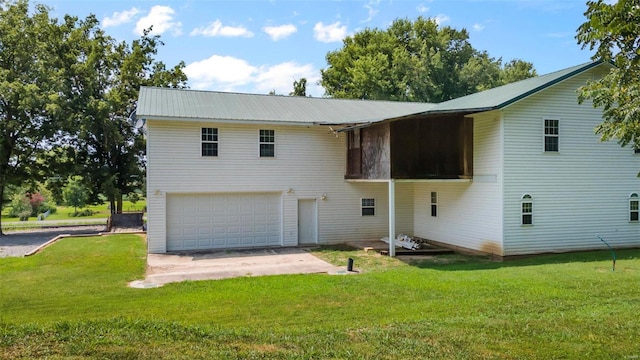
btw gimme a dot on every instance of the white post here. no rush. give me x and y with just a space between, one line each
392 217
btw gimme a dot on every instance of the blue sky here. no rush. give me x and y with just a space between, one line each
258 46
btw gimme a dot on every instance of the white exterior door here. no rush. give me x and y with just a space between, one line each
307 221
221 221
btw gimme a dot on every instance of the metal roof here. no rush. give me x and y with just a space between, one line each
190 105
502 96
195 105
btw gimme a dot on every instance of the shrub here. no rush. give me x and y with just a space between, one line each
24 216
48 207
81 213
19 204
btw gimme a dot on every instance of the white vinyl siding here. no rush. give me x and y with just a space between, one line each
310 161
578 195
469 213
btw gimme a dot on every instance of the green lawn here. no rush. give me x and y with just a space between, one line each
64 212
71 301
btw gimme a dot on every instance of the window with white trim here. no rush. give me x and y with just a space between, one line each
209 142
267 143
434 204
526 210
368 207
551 135
634 207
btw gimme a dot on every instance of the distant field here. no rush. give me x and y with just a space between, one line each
71 301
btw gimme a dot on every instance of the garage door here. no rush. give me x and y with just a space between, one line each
216 221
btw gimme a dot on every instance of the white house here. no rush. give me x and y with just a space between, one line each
509 171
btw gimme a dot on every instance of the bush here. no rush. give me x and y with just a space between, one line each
81 213
48 207
24 216
19 205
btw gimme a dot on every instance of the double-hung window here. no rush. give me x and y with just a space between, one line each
634 207
526 210
551 135
209 142
267 143
434 204
368 207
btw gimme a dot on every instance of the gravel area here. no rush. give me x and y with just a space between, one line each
19 243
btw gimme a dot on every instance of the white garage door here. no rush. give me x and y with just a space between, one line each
216 221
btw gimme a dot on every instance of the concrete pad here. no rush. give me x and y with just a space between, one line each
167 268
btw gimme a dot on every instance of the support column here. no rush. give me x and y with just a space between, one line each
392 217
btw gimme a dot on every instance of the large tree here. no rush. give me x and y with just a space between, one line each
613 30
32 63
110 150
415 61
66 94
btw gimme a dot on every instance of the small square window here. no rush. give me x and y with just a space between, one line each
551 135
368 207
267 143
209 142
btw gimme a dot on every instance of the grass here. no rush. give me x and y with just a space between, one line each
71 301
63 213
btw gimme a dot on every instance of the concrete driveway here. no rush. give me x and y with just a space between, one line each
168 268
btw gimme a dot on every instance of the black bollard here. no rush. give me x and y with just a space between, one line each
350 264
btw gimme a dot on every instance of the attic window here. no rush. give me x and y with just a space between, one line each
551 135
209 142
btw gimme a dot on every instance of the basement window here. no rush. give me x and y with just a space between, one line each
209 142
434 204
551 135
526 207
634 207
368 207
267 143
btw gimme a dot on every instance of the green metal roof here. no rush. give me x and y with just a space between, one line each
193 105
502 96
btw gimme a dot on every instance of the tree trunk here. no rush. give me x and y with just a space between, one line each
119 202
112 205
1 206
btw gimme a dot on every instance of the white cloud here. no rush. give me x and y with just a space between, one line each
478 27
372 9
280 77
161 18
329 33
440 19
119 18
421 8
217 29
219 70
226 73
280 32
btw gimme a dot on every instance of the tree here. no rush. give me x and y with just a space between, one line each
110 149
613 29
414 61
75 193
32 64
299 87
